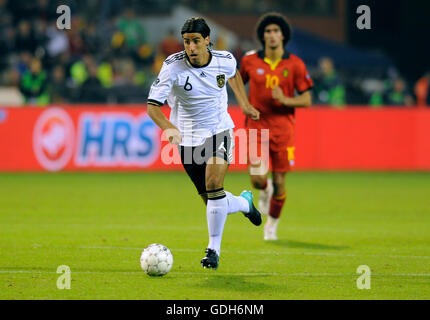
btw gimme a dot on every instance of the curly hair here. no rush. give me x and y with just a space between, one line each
273 18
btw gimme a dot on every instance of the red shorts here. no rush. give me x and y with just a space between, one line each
275 149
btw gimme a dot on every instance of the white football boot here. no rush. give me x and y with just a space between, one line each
265 196
270 229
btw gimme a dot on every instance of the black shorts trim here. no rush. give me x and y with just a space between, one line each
157 103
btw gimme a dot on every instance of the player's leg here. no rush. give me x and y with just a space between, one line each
244 202
258 168
277 202
265 185
219 202
216 209
191 158
236 203
258 181
278 184
281 163
196 171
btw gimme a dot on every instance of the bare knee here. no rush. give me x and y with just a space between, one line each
259 182
213 183
279 183
215 173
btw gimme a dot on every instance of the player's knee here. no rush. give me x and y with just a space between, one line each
258 182
278 188
213 183
278 179
278 184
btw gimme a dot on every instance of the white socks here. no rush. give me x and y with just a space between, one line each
272 222
216 212
236 204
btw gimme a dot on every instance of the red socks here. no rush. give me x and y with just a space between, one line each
276 204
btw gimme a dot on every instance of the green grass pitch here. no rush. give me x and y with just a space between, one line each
98 224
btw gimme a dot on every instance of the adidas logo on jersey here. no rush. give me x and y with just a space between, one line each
203 75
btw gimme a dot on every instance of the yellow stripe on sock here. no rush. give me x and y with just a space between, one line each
280 197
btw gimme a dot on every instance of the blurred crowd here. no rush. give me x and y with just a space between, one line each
309 7
103 60
337 88
106 58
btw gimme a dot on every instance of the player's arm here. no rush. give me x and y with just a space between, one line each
238 88
302 84
159 92
301 101
160 120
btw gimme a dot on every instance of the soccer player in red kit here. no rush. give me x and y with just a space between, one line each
279 83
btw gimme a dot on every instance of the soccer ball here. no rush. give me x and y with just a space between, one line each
156 260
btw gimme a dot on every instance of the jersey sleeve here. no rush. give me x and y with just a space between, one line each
302 78
232 67
244 70
160 89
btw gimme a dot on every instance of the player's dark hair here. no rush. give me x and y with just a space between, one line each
196 25
273 18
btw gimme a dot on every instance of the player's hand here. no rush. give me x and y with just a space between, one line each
278 94
173 135
253 113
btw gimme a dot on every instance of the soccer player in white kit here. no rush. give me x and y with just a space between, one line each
193 82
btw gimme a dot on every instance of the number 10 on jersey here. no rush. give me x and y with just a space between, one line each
271 81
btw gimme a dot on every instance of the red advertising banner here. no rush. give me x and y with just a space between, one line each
363 139
124 138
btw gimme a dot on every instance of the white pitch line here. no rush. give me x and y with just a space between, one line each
247 252
190 227
106 247
107 226
302 274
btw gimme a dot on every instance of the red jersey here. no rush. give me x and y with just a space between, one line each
289 73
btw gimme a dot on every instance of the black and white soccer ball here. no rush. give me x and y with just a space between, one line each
156 260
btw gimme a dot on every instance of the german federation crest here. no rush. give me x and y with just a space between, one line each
220 80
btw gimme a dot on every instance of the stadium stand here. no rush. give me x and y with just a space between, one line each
106 56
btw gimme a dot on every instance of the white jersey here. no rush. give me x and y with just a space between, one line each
196 95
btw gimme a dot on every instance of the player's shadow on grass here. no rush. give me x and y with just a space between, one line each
243 283
307 245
